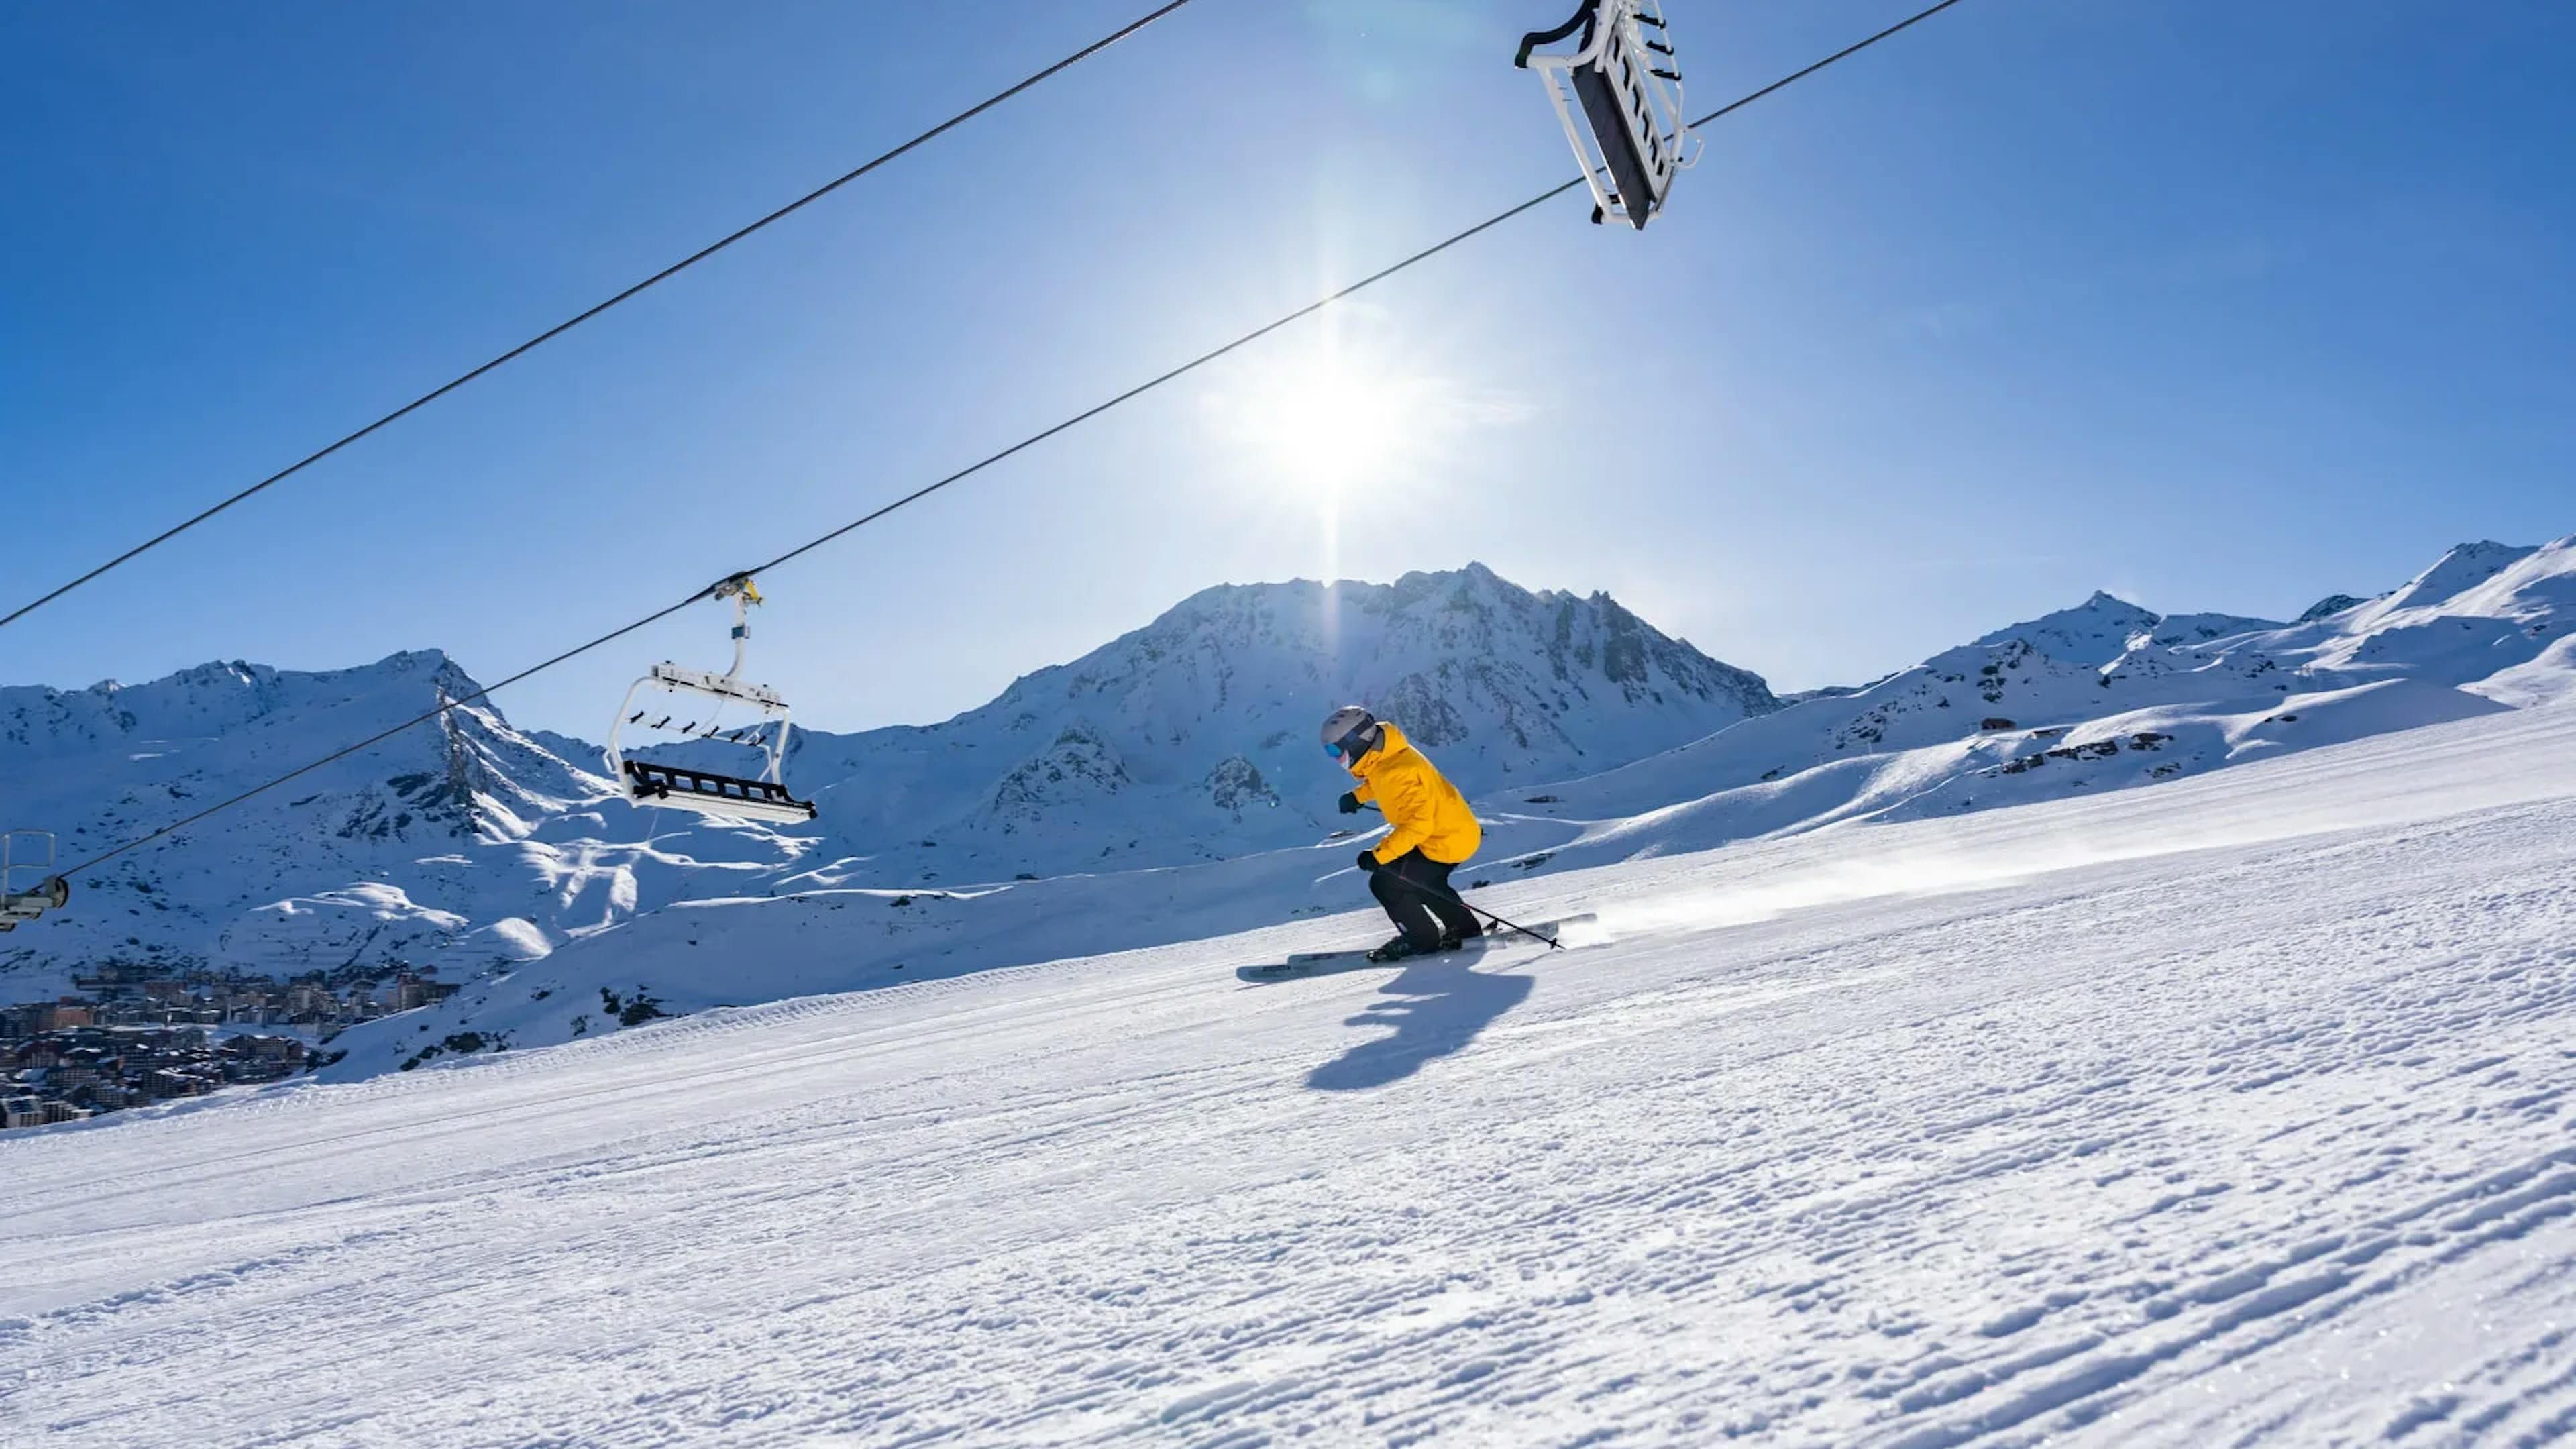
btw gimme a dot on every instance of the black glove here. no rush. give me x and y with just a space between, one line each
1350 802
1368 861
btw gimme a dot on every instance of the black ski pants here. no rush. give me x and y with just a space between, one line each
1417 895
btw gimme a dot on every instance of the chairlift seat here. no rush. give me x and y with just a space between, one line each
21 899
682 788
1632 139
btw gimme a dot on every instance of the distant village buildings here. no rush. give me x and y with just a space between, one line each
135 1036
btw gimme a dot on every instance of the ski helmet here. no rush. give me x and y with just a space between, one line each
1349 732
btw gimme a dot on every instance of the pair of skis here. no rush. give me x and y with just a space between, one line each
1325 963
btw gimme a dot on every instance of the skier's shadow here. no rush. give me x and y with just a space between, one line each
1436 1006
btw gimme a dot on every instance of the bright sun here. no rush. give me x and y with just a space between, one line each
1327 424
1339 417
1329 416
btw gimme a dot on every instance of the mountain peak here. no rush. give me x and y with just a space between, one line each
2093 633
218 698
1214 704
2463 568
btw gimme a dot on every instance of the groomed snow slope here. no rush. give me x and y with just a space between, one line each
2229 1111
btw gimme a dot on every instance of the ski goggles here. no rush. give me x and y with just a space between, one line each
1350 746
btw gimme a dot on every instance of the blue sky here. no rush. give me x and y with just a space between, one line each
2217 306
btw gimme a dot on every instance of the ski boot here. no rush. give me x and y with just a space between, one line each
1457 940
1396 950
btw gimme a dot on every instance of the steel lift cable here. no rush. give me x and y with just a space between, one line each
560 328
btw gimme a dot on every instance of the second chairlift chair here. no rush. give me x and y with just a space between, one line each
761 796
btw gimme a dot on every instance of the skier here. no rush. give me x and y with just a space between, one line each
1430 833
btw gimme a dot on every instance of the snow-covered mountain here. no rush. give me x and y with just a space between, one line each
1193 738
1165 787
2103 696
462 844
471 844
2092 699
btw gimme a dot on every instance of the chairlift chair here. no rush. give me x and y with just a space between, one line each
28 885
762 796
1631 139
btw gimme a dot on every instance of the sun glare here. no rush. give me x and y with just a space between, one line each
1341 420
1326 424
1322 421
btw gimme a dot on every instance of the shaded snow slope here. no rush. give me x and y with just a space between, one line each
2231 1111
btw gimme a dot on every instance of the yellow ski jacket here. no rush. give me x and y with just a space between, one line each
1422 808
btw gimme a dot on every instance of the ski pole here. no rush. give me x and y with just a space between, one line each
1426 892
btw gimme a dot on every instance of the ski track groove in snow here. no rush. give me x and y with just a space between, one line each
2248 1143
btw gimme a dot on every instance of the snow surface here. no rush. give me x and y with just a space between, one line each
2229 1111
